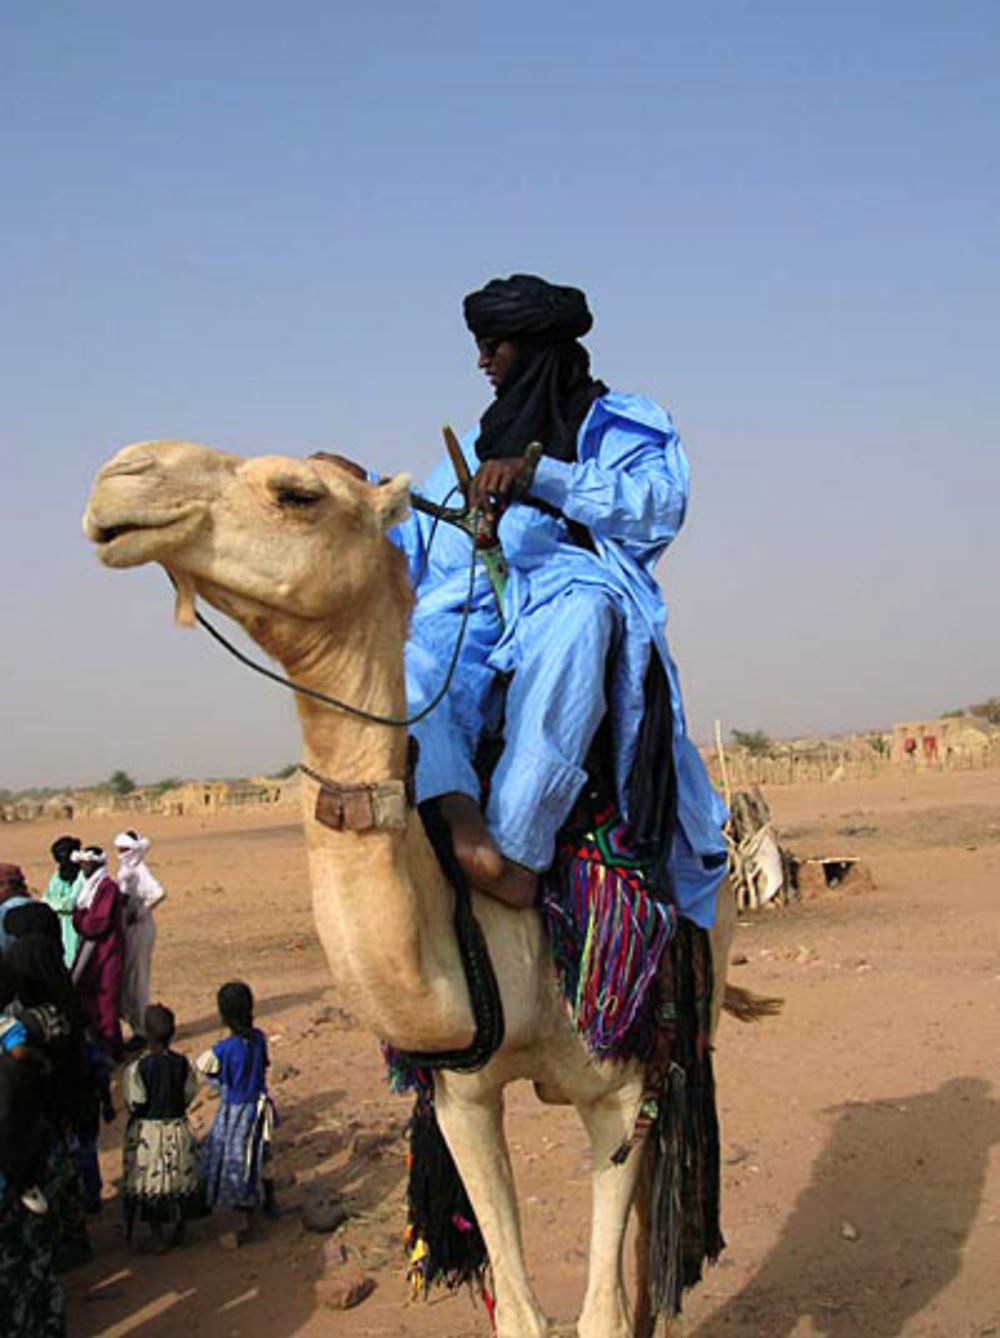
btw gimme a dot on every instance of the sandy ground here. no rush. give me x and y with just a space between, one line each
861 1171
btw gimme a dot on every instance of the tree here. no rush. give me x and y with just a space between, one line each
120 782
754 741
987 710
286 771
955 714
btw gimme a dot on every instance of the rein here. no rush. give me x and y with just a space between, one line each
395 722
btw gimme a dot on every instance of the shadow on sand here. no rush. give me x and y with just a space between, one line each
907 1172
265 1007
262 1290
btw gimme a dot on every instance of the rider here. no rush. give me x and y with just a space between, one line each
578 631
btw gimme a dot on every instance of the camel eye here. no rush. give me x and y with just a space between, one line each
297 497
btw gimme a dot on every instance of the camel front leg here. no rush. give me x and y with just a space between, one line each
471 1120
608 1121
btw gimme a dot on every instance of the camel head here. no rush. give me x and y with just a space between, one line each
258 537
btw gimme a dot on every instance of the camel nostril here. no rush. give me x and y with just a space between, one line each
136 464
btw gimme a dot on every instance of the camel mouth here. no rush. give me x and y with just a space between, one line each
128 542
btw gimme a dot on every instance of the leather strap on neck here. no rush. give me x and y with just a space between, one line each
365 807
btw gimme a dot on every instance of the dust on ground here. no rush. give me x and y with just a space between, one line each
861 1176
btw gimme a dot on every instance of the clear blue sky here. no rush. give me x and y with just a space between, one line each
252 225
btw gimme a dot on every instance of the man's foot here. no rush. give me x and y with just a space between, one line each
516 886
477 856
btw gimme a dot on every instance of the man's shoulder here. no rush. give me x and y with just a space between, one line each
622 404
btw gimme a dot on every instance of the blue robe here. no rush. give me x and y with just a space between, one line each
565 608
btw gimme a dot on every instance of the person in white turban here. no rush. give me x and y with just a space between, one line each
142 892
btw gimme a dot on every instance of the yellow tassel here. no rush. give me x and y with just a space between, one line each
415 1272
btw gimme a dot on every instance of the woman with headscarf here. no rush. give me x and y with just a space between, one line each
579 628
100 958
62 889
13 892
141 892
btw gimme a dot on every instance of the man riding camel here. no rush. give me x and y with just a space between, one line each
577 635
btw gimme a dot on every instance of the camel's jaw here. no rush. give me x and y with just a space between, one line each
126 539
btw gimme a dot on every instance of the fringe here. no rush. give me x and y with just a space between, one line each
685 1198
444 1240
608 935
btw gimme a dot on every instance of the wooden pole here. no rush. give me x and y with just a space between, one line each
723 769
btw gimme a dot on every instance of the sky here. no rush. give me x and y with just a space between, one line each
252 224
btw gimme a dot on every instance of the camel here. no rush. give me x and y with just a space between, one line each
296 553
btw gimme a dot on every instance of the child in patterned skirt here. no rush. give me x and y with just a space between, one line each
237 1151
162 1169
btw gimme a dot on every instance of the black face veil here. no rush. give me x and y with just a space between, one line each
548 390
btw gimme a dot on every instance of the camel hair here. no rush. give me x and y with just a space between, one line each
295 551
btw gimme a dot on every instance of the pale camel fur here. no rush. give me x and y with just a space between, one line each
295 551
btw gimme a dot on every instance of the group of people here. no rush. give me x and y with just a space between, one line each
104 926
70 967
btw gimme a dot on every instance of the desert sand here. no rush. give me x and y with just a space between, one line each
861 1177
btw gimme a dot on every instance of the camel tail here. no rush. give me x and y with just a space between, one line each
746 1006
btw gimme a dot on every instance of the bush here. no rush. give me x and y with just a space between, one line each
754 741
987 710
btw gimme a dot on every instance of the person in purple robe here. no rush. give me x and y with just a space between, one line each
99 968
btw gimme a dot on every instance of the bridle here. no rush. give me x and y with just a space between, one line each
483 544
469 522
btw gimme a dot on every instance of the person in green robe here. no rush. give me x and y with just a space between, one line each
62 891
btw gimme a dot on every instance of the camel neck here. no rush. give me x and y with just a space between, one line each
363 666
383 908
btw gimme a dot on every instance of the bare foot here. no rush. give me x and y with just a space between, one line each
477 856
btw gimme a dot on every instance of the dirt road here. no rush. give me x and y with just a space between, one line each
860 1129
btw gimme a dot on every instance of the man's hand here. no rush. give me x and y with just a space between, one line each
493 484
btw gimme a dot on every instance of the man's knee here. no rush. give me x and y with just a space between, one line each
583 617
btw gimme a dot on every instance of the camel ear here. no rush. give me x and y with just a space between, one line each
392 501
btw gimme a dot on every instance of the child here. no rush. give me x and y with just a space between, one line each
162 1173
237 1151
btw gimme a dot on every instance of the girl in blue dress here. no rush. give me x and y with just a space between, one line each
237 1151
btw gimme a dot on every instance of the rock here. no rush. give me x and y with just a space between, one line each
849 1231
322 1212
348 1287
229 1241
739 959
332 1015
334 1253
282 1073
